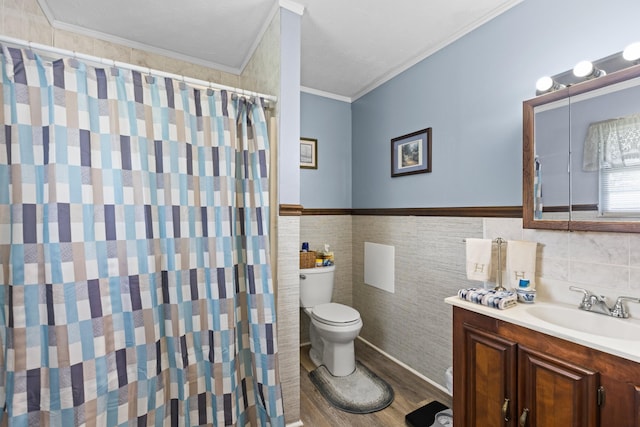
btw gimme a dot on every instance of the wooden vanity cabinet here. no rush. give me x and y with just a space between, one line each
502 371
489 368
554 392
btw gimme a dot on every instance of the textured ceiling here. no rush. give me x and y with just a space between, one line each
348 47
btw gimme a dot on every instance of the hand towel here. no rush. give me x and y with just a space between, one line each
521 262
479 259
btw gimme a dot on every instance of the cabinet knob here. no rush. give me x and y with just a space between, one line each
505 410
523 417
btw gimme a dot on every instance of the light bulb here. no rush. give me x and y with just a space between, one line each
547 84
587 70
632 52
544 84
583 69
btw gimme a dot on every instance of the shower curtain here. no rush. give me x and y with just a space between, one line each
134 258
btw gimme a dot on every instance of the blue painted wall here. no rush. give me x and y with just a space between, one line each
289 104
471 94
328 121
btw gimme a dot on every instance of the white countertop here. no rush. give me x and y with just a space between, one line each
627 347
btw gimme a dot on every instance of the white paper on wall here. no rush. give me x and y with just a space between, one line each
379 266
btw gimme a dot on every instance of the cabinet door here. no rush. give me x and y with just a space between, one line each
489 373
636 399
555 393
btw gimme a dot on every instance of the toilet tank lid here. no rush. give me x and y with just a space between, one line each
317 270
335 312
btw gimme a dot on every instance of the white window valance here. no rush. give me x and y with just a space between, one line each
612 143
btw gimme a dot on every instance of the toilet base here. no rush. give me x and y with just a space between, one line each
315 357
339 358
338 354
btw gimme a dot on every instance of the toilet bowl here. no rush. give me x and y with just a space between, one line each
333 327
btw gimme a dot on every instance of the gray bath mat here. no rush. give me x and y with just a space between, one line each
361 392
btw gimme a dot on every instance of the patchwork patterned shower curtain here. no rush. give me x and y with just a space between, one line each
134 256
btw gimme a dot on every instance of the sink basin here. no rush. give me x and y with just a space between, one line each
584 321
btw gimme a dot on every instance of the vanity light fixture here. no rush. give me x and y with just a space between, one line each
585 69
632 52
547 84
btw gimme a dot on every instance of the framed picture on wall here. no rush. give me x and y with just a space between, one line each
308 153
411 153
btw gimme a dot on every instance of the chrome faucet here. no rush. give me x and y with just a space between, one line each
620 310
598 303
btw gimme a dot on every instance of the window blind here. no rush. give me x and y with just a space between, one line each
620 191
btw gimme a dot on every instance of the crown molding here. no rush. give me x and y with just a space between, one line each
47 11
142 46
324 94
292 6
256 42
464 31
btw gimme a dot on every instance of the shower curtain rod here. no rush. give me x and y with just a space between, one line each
143 70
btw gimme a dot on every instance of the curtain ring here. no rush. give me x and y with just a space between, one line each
73 61
149 77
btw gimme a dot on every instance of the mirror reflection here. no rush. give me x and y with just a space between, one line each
551 161
605 137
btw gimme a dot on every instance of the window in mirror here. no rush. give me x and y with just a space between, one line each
620 191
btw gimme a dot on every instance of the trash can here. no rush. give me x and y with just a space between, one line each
449 377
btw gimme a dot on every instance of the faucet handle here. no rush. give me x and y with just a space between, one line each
587 293
577 289
585 304
619 310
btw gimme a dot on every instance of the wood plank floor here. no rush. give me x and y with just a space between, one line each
411 392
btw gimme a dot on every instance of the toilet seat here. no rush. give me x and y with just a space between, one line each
335 314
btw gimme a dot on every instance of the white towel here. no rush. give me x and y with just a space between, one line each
479 259
521 262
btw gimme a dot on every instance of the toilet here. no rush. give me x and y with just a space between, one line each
333 326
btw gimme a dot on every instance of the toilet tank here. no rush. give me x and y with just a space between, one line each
316 285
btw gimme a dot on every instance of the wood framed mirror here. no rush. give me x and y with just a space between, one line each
581 156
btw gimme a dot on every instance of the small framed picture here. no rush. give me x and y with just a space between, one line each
411 153
308 153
